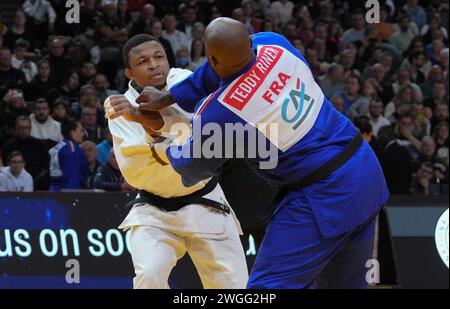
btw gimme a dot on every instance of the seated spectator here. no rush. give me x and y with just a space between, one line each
41 83
182 58
424 181
90 152
88 72
404 78
32 149
68 89
361 105
20 61
59 110
395 161
338 103
104 147
284 8
188 19
249 16
440 114
356 33
15 178
101 84
155 30
68 165
406 96
41 19
427 153
238 14
92 131
422 125
351 92
197 55
377 120
439 95
177 38
43 126
13 106
10 77
403 37
441 138
17 31
144 20
60 64
331 83
435 75
111 33
109 177
364 126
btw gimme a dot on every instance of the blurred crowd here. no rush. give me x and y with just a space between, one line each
390 78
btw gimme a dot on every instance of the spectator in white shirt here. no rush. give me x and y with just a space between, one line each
284 8
43 126
19 59
376 116
177 38
15 178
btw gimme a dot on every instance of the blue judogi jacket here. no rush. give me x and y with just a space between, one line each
277 87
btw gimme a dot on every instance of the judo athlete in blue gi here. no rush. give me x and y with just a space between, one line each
321 232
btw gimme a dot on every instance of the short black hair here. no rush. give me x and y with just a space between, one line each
13 155
67 126
136 40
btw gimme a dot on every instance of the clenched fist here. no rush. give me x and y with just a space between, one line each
118 105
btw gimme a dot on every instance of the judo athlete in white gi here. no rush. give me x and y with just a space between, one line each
159 237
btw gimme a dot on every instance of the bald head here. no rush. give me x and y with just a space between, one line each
228 46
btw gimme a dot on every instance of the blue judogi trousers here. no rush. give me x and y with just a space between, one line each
294 254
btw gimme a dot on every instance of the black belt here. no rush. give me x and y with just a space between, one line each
325 170
320 174
176 203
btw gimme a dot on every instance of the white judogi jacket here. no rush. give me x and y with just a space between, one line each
141 170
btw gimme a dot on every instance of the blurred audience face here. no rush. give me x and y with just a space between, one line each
148 12
44 70
428 146
406 123
5 59
442 132
59 112
375 108
122 6
89 117
441 112
73 81
358 21
404 76
156 29
198 30
16 164
170 23
352 86
182 58
20 52
41 110
247 8
110 10
101 82
14 98
238 14
77 134
23 129
20 19
439 90
190 15
338 103
57 48
404 23
148 65
88 70
368 88
90 151
378 71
